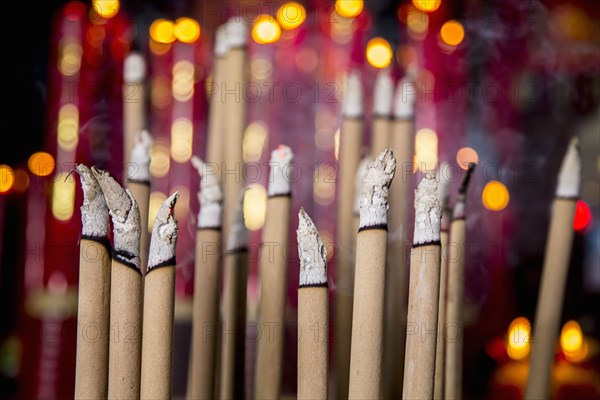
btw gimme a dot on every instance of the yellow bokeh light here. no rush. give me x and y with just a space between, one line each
69 62
187 30
417 24
266 30
255 206
156 200
21 180
426 150
427 5
466 155
106 8
63 196
162 31
573 343
495 196
379 52
518 338
41 164
182 132
7 178
159 49
67 129
255 138
183 80
324 184
452 33
291 15
349 8
160 160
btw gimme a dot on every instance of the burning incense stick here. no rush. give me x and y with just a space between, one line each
554 275
361 171
440 357
367 322
455 296
349 157
91 370
138 183
216 117
402 144
206 286
382 110
134 73
313 311
423 293
159 306
234 309
125 348
273 278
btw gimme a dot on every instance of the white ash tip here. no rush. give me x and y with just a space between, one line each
383 97
280 180
140 157
353 96
361 171
238 235
405 96
569 177
134 69
164 234
237 32
221 41
210 196
94 212
312 251
428 212
375 189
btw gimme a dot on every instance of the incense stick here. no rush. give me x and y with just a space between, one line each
134 74
216 117
138 183
349 157
273 278
313 312
91 368
554 274
367 322
382 110
361 171
206 285
159 306
423 293
125 349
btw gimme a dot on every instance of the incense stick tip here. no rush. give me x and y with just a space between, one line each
361 171
383 94
238 235
134 69
428 212
280 181
353 96
237 32
569 177
94 212
405 96
164 235
210 196
375 189
140 157
221 42
312 251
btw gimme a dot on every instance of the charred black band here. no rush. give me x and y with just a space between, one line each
272 196
435 242
126 258
103 240
380 226
307 285
171 262
140 181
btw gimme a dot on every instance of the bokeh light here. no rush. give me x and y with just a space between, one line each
183 80
255 138
106 8
466 155
41 164
156 200
324 184
572 342
291 15
379 52
182 132
63 196
160 160
21 180
427 5
518 338
452 33
69 62
426 149
266 30
583 216
162 31
349 8
187 30
495 196
67 129
255 206
417 24
7 178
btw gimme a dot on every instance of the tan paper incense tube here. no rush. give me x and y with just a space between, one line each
554 275
233 94
273 278
313 312
125 348
233 349
159 306
423 294
454 326
206 286
216 112
351 138
382 111
360 176
91 369
402 144
138 183
371 245
134 73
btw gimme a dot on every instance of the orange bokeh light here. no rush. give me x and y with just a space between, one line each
466 155
452 33
41 164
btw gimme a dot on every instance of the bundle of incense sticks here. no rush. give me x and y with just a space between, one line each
313 311
159 306
382 110
349 157
423 293
367 322
273 277
138 183
455 294
554 275
91 371
206 286
134 73
124 362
